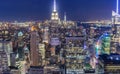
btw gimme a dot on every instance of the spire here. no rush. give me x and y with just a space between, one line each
54 5
65 19
117 7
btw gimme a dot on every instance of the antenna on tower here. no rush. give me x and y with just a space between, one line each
117 7
54 5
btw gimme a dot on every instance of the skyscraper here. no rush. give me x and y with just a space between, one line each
115 14
3 61
55 16
106 44
34 48
65 19
6 46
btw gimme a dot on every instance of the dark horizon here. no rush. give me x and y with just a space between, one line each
33 10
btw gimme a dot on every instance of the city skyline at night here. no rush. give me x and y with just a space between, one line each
82 10
59 37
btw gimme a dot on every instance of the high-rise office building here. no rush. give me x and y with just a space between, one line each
3 61
6 46
34 51
115 14
46 35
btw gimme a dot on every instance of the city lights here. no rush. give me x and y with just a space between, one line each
72 43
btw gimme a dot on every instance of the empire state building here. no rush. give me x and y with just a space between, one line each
55 16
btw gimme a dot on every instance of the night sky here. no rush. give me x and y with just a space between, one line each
83 10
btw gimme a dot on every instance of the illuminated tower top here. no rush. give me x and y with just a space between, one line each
54 6
117 7
55 16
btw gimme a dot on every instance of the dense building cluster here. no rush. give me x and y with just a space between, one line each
59 47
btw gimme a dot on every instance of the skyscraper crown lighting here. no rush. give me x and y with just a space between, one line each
54 15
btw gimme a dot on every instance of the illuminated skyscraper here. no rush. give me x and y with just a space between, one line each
45 36
106 44
3 61
55 16
7 47
103 45
115 14
34 48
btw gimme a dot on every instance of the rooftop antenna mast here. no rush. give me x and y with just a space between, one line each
54 5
